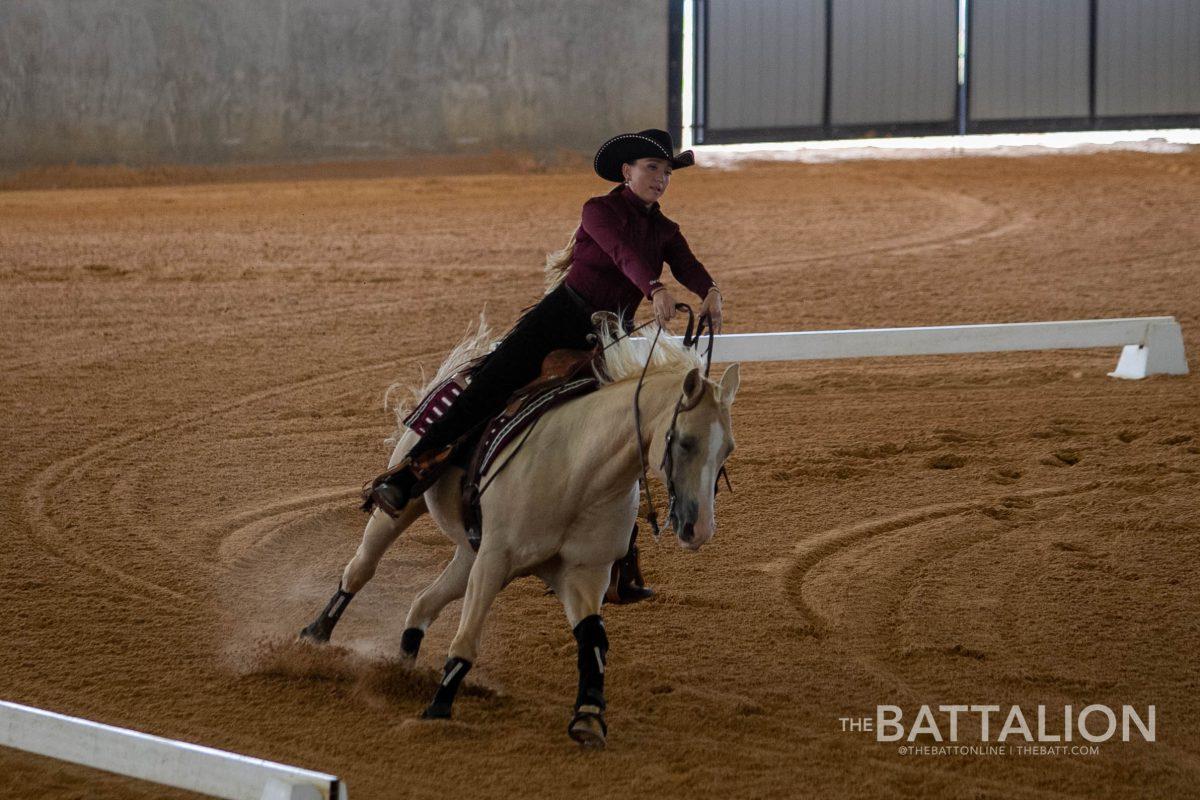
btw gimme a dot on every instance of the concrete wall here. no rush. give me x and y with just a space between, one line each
208 81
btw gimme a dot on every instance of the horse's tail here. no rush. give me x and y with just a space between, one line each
557 264
402 397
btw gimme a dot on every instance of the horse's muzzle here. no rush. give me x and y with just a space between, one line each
687 536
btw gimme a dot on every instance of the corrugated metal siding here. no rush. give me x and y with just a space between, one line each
894 62
1029 59
766 63
1148 57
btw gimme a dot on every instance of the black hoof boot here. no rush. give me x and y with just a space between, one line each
410 642
437 711
320 629
456 669
587 726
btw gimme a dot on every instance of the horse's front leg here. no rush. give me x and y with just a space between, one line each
582 590
449 586
488 576
380 532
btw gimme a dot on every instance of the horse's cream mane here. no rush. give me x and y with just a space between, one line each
624 360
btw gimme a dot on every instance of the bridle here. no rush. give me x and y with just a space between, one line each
691 338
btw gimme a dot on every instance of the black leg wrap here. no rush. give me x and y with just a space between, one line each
410 641
593 653
456 669
320 629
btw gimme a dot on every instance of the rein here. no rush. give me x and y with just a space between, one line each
651 511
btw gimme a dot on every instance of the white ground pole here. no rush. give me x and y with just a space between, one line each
1151 345
152 758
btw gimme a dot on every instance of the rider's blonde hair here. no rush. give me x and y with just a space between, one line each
557 264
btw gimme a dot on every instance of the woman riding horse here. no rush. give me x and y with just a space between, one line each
616 259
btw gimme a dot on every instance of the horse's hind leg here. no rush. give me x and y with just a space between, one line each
449 586
379 534
488 576
582 590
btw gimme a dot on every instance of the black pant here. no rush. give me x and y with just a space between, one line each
561 319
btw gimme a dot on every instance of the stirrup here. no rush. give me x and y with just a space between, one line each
370 498
420 472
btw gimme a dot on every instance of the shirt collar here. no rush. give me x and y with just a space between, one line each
636 201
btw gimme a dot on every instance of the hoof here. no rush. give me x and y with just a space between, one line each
437 711
587 727
627 595
410 644
316 632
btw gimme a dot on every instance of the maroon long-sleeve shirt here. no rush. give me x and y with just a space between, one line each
619 252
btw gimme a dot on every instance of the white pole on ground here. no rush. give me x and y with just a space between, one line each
1151 345
203 770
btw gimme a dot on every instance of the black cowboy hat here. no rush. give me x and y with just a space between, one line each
651 143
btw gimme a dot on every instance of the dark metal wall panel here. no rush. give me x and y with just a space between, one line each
1029 59
766 64
894 62
1147 57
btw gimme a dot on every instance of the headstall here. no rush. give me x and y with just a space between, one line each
691 338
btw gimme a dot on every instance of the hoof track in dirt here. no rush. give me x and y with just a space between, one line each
63 478
372 681
820 547
967 219
253 530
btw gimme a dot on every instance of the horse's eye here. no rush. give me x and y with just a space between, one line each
687 445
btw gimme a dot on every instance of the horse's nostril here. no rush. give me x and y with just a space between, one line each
688 532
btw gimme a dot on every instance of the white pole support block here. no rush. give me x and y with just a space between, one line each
276 789
1161 353
203 770
1153 345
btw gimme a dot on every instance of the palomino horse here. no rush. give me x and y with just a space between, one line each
562 509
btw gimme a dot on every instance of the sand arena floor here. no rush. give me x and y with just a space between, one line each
192 394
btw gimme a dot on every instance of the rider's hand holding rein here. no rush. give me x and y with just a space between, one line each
664 305
711 308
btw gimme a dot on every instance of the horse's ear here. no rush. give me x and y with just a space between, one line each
693 388
729 383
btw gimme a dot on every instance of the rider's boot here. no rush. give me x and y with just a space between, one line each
626 584
392 490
